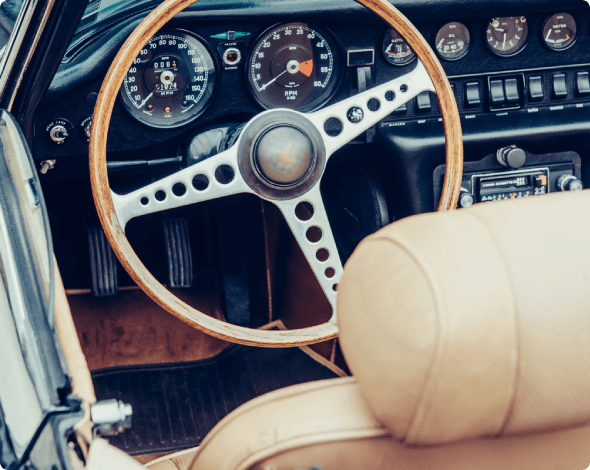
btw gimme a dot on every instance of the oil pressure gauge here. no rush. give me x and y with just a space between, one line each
560 31
453 41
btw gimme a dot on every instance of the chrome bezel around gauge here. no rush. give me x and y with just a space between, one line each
387 41
522 43
277 88
545 37
438 41
159 93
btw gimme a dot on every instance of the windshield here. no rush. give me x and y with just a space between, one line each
98 10
8 12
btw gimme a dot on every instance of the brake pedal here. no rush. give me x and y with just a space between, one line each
103 264
178 253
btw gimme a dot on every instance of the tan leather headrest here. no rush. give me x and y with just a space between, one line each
473 323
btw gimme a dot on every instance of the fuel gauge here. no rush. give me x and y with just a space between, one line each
453 41
560 31
396 50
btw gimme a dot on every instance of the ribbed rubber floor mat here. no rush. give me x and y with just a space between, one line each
176 405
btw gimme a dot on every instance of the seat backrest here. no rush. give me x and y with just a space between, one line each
473 323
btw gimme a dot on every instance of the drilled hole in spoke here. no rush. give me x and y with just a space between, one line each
335 287
330 273
304 211
333 127
200 182
373 104
144 201
225 174
179 189
389 95
314 234
160 195
322 255
403 88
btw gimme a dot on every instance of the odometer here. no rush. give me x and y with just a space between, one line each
171 81
294 66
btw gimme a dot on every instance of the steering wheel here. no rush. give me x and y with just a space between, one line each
280 156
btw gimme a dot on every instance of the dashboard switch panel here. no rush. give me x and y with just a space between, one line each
536 92
559 86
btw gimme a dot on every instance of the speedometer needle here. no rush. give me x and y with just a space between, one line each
504 44
146 100
266 85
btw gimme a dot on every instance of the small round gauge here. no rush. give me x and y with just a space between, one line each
560 31
294 66
507 36
453 41
396 50
171 81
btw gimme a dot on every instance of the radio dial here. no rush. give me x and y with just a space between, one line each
569 183
466 199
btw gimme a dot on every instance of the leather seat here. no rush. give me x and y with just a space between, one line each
468 337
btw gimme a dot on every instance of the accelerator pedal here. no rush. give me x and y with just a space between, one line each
178 253
103 264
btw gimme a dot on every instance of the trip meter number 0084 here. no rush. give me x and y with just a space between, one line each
171 81
294 66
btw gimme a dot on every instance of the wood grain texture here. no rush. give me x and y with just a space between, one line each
114 232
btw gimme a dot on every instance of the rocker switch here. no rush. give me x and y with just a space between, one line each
497 96
536 89
512 93
472 95
582 84
559 86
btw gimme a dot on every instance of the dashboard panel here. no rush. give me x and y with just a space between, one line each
514 69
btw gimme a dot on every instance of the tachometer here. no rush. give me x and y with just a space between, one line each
171 81
294 66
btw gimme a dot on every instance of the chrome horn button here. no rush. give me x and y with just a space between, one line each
283 155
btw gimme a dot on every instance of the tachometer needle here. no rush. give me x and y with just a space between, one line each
548 34
146 100
504 44
265 86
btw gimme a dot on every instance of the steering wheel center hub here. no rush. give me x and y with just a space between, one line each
284 155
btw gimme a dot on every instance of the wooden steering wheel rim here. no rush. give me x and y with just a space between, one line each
114 231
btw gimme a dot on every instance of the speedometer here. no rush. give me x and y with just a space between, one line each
171 81
294 66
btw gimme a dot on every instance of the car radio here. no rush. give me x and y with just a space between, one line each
512 173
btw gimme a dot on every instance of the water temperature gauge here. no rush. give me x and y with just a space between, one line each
560 31
453 41
396 50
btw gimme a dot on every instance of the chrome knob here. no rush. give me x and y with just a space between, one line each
569 183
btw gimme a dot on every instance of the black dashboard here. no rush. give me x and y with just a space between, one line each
519 70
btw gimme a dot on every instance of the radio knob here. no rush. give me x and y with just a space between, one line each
569 183
466 199
512 157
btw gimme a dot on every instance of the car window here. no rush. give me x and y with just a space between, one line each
8 12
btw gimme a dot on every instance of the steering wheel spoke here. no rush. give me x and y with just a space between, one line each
308 221
213 178
342 122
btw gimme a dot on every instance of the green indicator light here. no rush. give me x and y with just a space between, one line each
230 35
